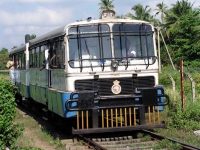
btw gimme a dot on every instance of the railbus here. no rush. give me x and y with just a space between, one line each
101 75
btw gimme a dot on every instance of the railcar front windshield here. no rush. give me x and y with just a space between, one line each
91 45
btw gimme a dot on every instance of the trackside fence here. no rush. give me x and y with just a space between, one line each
191 78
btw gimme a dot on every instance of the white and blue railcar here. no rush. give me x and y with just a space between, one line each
102 73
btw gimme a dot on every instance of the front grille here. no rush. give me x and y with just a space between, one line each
103 86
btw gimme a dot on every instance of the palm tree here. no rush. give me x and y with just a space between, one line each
162 8
141 13
106 5
179 9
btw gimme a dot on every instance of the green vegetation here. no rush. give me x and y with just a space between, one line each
8 130
141 13
143 137
161 144
35 135
12 124
79 143
146 138
181 123
168 144
3 58
53 141
4 76
106 5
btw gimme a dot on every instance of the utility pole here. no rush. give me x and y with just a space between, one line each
167 51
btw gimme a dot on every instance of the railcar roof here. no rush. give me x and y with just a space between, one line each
55 33
18 49
44 37
108 21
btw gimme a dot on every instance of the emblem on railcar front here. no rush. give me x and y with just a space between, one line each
116 88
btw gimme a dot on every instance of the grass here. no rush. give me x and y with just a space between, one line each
4 76
34 135
181 123
184 132
163 144
181 135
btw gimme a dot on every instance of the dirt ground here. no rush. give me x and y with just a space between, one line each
37 141
39 133
33 136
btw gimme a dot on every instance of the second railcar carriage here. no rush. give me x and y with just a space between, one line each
102 73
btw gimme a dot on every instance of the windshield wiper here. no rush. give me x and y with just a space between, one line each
88 54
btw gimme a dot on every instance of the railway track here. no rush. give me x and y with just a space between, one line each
143 139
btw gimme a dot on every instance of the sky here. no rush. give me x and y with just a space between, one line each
21 17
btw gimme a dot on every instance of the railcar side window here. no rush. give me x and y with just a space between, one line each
37 60
60 54
16 60
55 47
57 53
42 58
32 58
20 61
23 56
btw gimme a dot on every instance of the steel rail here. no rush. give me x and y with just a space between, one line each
89 142
185 146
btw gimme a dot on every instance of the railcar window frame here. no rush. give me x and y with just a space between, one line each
37 56
32 63
57 53
99 32
16 61
20 61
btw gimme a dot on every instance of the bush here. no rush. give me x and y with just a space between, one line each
187 119
8 130
3 60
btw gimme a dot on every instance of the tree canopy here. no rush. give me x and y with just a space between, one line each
33 36
161 8
3 58
106 5
3 51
